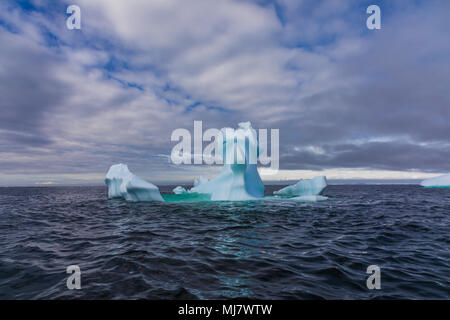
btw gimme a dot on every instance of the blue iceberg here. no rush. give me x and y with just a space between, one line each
124 184
238 180
312 187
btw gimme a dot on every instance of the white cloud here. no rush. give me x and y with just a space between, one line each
308 72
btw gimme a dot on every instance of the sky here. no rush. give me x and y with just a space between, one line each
350 103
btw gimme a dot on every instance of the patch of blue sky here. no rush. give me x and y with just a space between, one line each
125 84
115 64
197 104
277 7
51 40
9 27
50 8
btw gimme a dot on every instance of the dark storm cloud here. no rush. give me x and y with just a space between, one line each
342 96
15 141
396 88
375 155
27 90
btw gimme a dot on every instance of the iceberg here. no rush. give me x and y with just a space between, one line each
238 180
179 190
437 182
312 187
122 183
199 181
200 186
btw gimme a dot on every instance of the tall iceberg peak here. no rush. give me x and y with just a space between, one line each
311 187
441 181
239 178
122 183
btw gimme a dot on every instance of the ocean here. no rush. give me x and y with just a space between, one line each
219 250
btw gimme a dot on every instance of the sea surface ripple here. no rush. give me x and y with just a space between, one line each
218 250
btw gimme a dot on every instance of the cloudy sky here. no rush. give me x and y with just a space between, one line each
349 102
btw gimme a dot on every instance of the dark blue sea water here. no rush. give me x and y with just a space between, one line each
262 249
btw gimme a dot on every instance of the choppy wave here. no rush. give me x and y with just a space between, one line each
262 249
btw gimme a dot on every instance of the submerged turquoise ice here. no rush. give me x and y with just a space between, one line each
239 179
199 197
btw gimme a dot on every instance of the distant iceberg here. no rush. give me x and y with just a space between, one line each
124 184
441 181
310 187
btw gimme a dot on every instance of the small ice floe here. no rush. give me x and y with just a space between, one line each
312 187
